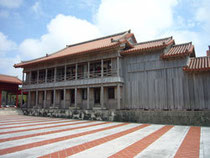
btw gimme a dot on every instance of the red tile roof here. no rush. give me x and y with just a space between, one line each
198 64
150 45
179 51
10 79
84 47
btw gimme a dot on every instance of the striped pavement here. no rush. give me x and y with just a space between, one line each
27 136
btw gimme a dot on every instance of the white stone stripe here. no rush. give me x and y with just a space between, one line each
205 142
50 148
38 126
42 130
167 145
110 148
31 123
51 136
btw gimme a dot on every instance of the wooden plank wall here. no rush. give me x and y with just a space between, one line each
152 83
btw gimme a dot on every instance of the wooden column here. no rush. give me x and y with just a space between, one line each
102 96
64 97
37 97
88 97
118 96
118 66
54 97
45 98
29 99
0 97
37 76
76 66
65 72
30 77
102 68
75 97
16 99
55 73
88 69
22 91
45 75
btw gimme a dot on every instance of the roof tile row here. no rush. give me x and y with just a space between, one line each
179 51
198 64
10 79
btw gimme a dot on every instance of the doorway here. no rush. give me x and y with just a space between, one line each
97 93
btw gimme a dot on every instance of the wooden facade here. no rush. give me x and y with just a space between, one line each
123 74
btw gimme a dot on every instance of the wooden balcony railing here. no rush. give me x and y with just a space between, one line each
80 75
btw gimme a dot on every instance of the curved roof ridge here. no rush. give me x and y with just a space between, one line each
117 34
43 56
157 40
181 44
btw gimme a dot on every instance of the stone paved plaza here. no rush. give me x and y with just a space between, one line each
27 136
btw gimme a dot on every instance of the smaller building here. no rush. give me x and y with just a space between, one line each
9 87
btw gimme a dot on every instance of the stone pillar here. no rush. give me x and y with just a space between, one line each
37 97
118 96
55 73
102 96
76 66
64 97
88 97
46 76
102 68
45 98
118 66
37 76
88 69
75 97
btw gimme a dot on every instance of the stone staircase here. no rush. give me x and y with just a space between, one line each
10 111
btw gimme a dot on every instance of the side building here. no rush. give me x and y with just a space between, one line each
114 77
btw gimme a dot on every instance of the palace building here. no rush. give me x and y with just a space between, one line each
117 73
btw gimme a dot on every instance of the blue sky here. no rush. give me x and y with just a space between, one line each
32 28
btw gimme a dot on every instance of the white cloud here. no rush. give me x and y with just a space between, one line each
145 18
7 66
6 45
11 3
62 30
7 57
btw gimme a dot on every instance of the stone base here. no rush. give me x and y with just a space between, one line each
175 117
